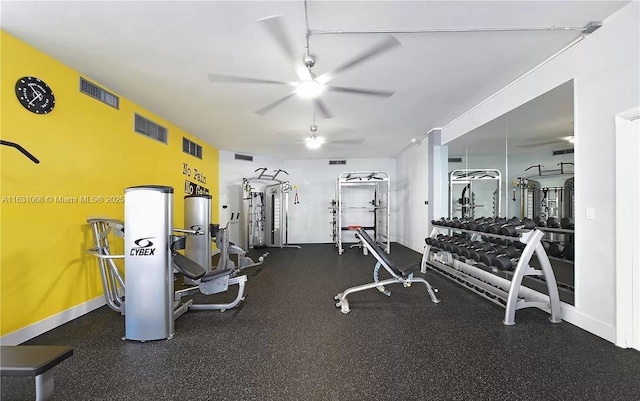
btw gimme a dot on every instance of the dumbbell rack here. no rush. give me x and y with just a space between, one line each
504 292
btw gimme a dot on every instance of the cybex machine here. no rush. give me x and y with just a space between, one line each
264 221
146 294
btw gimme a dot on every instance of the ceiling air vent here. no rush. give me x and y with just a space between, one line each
331 162
98 93
243 157
147 127
455 160
191 148
562 152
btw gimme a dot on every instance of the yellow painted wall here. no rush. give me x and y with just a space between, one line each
86 148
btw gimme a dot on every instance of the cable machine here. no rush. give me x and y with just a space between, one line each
554 199
353 203
265 203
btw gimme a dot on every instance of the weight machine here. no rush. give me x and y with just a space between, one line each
265 204
146 295
467 185
347 208
555 199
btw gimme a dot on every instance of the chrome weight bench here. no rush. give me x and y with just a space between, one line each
400 274
34 360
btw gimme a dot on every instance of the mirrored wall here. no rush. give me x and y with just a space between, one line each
521 165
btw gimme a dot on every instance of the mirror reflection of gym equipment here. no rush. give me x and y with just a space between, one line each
474 193
531 149
265 217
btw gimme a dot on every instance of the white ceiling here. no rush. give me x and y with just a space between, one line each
158 54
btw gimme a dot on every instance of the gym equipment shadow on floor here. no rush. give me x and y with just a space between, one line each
289 342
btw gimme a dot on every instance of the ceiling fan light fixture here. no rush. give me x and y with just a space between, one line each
569 139
309 88
314 142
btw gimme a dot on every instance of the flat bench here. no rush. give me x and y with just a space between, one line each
34 360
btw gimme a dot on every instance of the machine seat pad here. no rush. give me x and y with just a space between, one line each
188 267
215 274
408 269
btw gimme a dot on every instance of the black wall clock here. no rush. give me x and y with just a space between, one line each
35 95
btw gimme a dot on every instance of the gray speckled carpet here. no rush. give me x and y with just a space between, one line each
289 342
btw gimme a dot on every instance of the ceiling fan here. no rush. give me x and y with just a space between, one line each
315 141
309 85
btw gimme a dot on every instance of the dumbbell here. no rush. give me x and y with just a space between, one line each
553 222
555 249
567 223
528 223
539 221
503 262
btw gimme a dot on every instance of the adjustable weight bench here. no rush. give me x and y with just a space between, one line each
400 274
34 360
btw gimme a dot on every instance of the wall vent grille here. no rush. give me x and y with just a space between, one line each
341 162
562 152
191 148
98 93
148 128
455 160
243 157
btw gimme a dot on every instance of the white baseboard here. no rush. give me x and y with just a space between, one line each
33 330
572 315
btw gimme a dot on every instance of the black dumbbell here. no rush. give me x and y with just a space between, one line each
487 258
539 221
567 223
553 222
555 249
528 223
503 262
509 230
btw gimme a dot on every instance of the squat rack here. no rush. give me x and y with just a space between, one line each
466 203
379 206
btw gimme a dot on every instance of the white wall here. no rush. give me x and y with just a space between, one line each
412 192
605 67
309 221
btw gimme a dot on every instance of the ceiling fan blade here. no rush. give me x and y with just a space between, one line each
275 27
387 44
231 78
354 141
275 104
368 92
322 108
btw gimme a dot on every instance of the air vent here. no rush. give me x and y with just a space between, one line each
331 162
149 128
562 152
98 93
244 157
191 148
455 160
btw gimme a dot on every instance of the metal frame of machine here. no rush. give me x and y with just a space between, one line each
380 207
466 177
265 218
